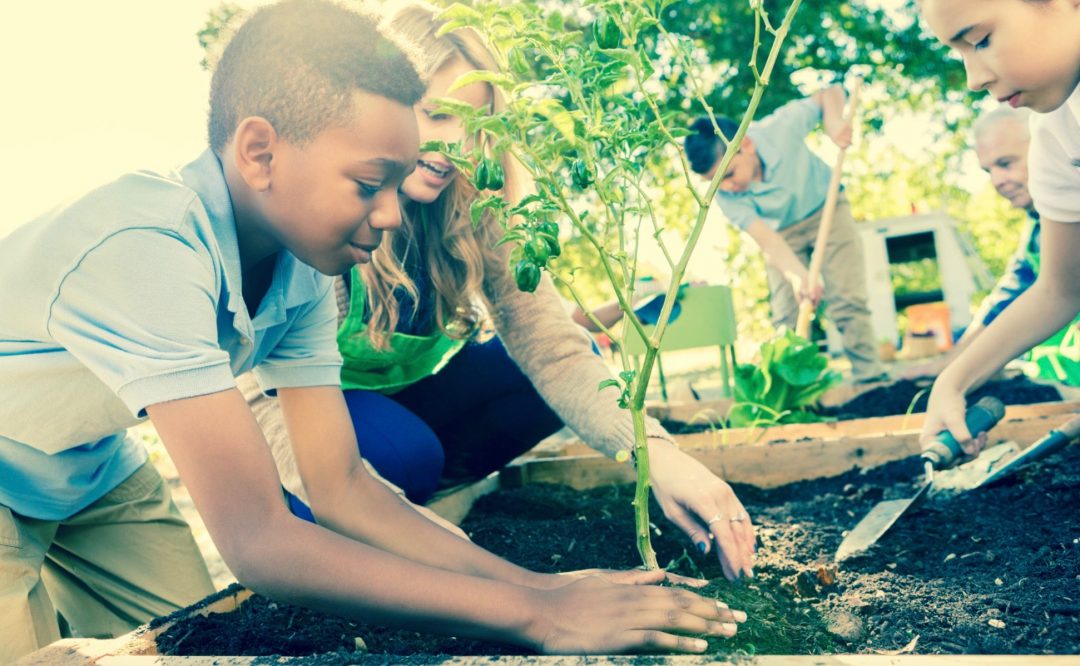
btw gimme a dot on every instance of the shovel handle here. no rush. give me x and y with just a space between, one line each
1070 429
817 258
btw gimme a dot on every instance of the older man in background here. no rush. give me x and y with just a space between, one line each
1001 145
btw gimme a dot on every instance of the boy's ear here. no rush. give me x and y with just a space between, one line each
254 143
747 144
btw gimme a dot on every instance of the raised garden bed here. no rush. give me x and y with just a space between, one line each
849 402
1005 554
769 457
944 575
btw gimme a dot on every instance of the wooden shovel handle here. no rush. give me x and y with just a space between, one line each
806 308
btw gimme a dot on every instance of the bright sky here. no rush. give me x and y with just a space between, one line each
95 89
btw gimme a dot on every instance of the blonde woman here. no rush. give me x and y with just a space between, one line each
433 404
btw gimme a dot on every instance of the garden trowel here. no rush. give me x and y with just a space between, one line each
980 417
1053 442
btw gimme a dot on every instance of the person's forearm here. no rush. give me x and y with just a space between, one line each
1033 317
218 449
403 531
364 583
832 101
1051 303
777 252
608 314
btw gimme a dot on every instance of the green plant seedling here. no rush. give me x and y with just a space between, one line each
587 116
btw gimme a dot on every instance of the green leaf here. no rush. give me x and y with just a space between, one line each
481 76
606 383
559 117
479 206
454 107
460 15
509 238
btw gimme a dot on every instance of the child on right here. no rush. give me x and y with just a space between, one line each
995 40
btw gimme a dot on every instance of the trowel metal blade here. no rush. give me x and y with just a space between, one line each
876 523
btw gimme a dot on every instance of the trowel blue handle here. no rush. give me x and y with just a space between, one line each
980 417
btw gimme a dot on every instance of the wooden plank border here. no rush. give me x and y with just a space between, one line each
793 456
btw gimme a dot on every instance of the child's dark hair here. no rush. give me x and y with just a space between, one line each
703 147
298 63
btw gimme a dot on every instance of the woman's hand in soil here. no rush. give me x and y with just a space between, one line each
593 615
702 506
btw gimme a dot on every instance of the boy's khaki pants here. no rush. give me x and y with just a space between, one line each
109 568
844 276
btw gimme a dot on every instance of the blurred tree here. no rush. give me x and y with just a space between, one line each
220 22
909 75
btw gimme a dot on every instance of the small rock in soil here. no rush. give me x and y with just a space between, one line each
846 627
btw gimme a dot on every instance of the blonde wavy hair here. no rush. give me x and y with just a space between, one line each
454 250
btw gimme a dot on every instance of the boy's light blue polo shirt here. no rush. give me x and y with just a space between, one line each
128 297
795 180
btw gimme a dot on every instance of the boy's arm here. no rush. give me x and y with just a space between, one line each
347 499
223 460
267 411
225 464
1049 305
778 253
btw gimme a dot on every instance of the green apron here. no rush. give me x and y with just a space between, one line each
406 360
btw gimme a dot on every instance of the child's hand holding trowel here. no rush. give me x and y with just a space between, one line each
946 412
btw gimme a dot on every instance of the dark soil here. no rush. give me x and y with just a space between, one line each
992 571
903 396
898 397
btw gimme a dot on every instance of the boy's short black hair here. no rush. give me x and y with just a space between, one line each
703 147
297 64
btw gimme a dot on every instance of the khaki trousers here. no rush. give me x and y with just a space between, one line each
109 568
844 276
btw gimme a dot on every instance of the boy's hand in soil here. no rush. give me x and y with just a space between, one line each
593 615
702 506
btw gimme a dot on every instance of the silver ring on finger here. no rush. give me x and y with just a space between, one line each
742 517
716 519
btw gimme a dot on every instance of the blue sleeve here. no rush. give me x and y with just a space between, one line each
140 312
792 122
1019 276
308 354
739 211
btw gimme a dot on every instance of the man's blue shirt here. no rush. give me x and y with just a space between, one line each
794 181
